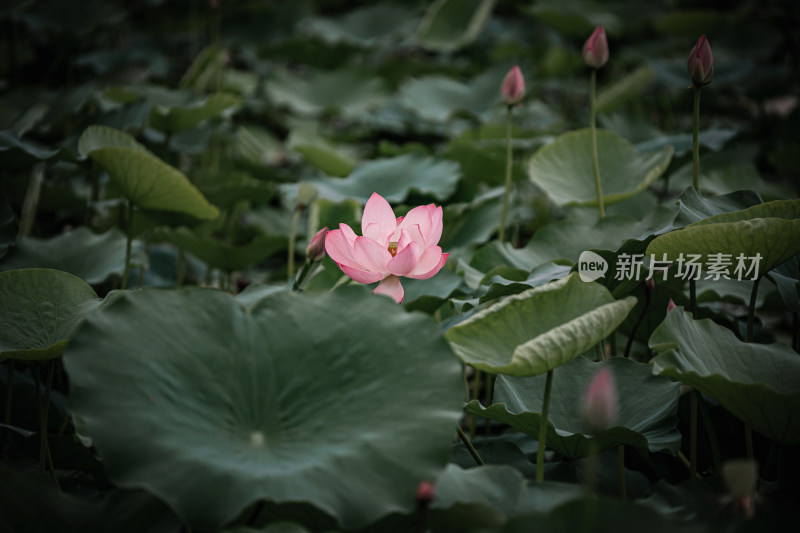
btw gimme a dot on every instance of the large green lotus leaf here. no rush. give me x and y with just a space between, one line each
692 206
178 118
564 169
89 256
39 310
220 254
449 24
566 239
647 417
576 18
622 91
758 383
771 230
392 178
340 400
365 26
321 153
437 97
152 184
537 330
96 137
351 91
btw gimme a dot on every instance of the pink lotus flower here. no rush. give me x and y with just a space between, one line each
701 63
513 88
600 403
390 247
595 50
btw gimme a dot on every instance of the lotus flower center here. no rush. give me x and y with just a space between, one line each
256 439
393 248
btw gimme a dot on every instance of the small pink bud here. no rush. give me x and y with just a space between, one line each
600 404
701 62
425 493
513 88
213 4
595 50
315 251
650 284
671 305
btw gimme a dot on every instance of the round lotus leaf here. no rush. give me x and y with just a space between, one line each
537 330
564 168
340 400
141 177
771 230
759 383
647 417
39 309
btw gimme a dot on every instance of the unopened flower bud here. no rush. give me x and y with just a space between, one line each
600 404
740 476
701 63
671 305
650 284
595 50
306 193
513 88
315 251
425 493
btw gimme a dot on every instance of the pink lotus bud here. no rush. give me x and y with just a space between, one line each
213 4
315 251
701 62
600 404
513 88
671 305
425 493
595 50
650 284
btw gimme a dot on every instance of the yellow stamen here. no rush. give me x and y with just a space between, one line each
393 248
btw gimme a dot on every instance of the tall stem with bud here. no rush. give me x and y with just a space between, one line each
595 54
511 91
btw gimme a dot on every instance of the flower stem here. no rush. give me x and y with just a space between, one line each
693 434
129 238
623 490
590 479
751 312
695 141
543 427
472 451
712 435
292 235
509 163
44 450
596 164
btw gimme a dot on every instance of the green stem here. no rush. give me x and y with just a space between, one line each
509 163
543 427
712 435
636 324
298 282
751 312
693 297
44 449
693 434
696 141
623 489
9 392
292 234
595 162
128 232
472 451
590 479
